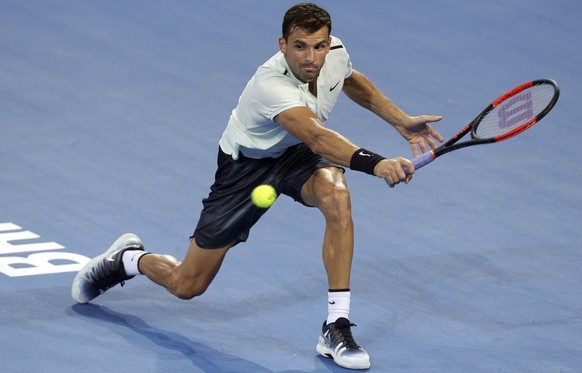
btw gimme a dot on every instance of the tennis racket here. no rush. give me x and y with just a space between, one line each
509 115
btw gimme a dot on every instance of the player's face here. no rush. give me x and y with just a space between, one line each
305 53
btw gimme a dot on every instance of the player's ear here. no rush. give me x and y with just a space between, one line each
282 45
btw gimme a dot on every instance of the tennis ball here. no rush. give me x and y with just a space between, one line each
264 196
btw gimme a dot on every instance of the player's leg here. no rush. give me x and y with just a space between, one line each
327 190
126 258
188 278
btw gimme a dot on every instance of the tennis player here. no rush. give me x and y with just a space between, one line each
277 135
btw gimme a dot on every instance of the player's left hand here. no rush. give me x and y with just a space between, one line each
420 134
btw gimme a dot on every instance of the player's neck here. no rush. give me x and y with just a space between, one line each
313 87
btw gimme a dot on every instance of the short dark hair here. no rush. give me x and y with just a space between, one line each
305 16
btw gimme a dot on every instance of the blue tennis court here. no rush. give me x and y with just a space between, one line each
110 115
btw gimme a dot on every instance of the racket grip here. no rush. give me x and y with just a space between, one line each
422 160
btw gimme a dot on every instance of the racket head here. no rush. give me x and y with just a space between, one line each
515 111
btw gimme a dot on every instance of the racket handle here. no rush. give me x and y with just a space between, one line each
422 160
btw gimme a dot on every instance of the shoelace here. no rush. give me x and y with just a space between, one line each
346 337
105 277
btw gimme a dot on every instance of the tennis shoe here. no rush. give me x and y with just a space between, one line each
105 271
336 342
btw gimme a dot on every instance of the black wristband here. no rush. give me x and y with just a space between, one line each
365 161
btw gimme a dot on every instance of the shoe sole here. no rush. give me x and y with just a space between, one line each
323 350
82 290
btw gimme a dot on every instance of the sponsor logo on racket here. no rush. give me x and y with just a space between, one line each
510 114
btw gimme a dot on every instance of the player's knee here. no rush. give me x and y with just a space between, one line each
189 292
189 288
335 201
338 206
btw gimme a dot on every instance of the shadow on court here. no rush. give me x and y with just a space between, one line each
202 356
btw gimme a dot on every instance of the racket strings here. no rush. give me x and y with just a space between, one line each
516 111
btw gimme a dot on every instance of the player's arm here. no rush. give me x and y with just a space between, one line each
416 130
306 126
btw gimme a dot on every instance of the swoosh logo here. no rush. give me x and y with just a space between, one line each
111 258
364 154
331 302
332 88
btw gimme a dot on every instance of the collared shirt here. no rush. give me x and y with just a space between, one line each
273 89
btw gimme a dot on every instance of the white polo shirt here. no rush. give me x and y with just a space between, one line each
273 89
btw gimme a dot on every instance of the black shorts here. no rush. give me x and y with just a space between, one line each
229 213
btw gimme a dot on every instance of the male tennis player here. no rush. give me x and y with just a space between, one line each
277 135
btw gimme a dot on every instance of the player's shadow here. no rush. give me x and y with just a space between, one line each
203 357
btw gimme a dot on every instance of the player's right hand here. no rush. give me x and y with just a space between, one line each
393 172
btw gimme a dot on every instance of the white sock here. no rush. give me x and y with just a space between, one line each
338 305
130 261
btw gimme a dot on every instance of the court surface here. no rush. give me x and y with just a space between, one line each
110 114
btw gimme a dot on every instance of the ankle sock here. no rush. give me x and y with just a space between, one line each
130 261
338 304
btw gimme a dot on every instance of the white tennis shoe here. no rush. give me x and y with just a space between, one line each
104 271
336 341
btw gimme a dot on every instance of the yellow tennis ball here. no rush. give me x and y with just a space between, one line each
264 196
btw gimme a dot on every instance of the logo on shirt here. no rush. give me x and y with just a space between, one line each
332 88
